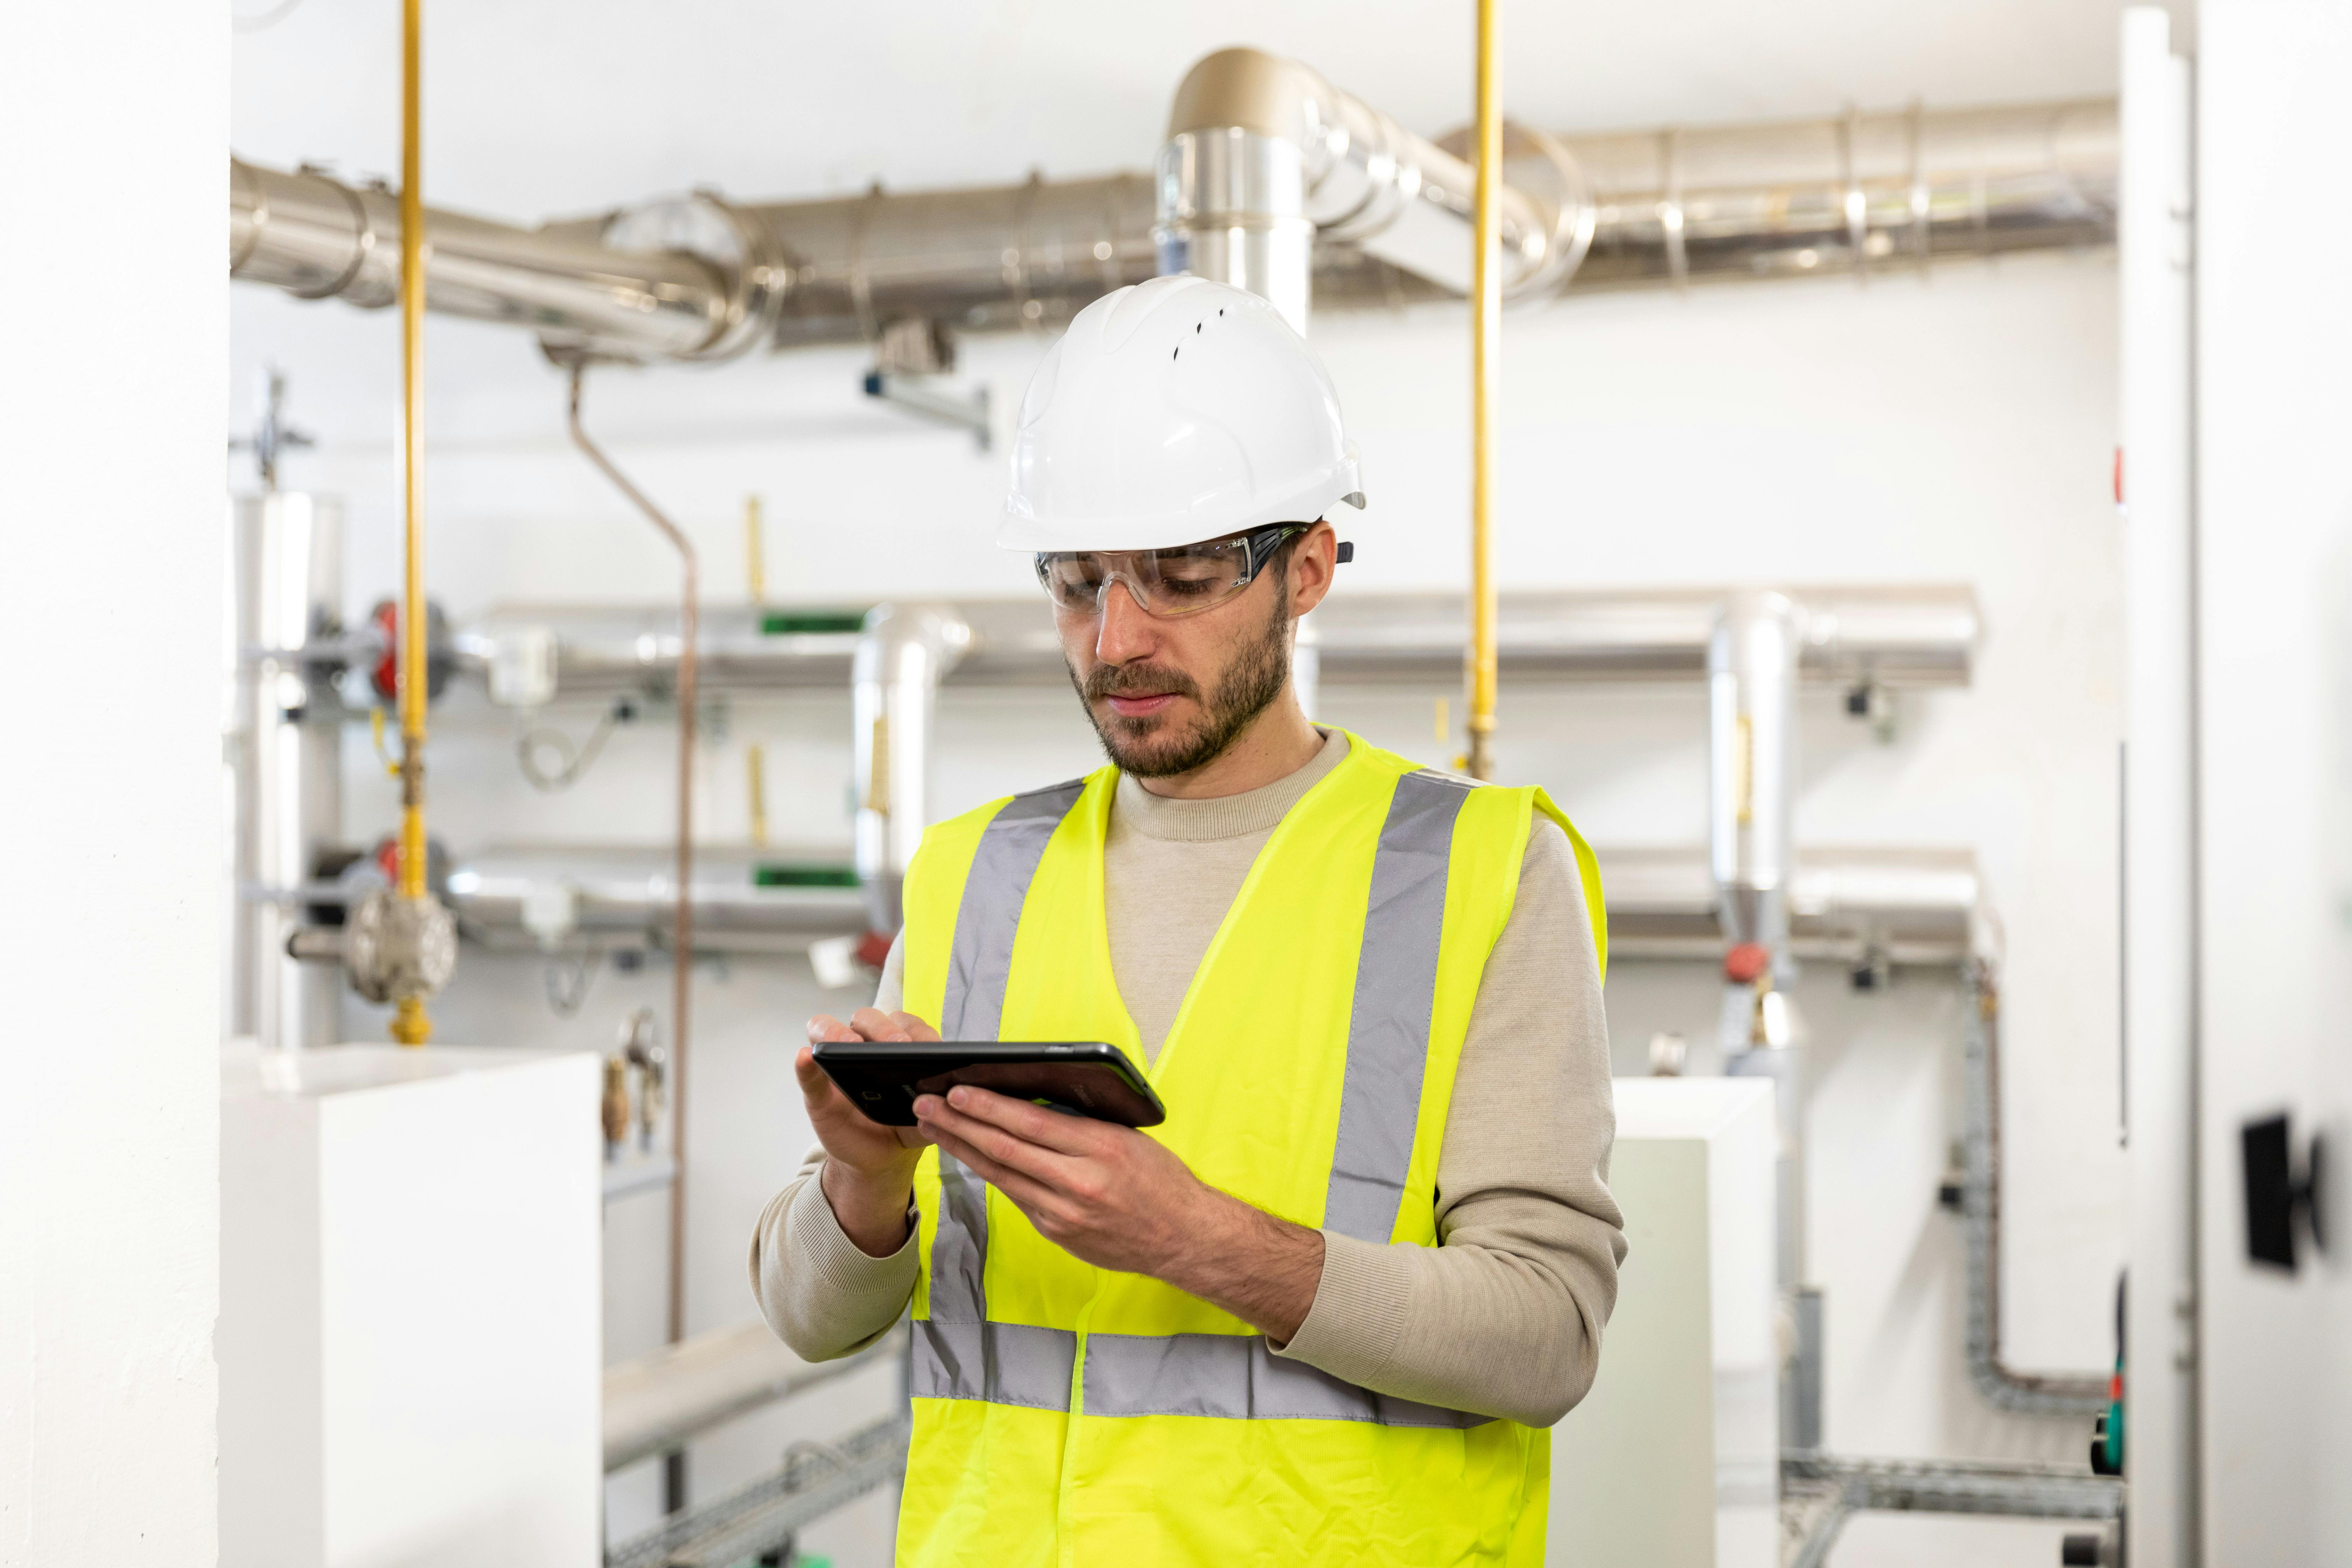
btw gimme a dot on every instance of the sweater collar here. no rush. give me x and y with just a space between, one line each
1137 810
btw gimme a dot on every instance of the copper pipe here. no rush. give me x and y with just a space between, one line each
1486 354
682 955
410 1025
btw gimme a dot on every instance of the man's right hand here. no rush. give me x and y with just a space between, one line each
869 1169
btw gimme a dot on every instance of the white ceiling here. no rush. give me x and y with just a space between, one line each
537 107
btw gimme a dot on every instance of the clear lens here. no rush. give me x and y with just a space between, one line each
1179 581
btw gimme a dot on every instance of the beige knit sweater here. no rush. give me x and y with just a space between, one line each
1505 1317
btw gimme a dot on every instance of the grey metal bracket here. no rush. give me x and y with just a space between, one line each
970 412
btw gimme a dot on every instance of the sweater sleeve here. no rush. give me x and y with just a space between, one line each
1505 1317
821 1296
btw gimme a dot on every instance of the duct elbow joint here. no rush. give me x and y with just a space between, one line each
1263 155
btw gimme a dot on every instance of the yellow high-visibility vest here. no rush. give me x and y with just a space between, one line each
1069 1415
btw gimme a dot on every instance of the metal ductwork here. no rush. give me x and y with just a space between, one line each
1269 175
284 743
319 238
897 658
1854 637
1266 162
991 258
1854 908
1856 193
1752 673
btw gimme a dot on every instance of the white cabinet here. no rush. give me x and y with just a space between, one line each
1673 1460
411 1296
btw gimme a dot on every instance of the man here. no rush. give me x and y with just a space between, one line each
1322 1314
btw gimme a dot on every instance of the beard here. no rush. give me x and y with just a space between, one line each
1156 745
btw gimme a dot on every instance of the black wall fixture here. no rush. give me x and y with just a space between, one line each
2278 1193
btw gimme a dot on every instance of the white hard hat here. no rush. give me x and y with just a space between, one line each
1172 411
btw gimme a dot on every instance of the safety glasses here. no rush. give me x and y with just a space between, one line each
1166 583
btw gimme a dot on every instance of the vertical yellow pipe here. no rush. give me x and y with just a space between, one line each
755 762
755 555
410 1025
1486 345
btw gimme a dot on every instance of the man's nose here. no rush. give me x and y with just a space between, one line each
1126 633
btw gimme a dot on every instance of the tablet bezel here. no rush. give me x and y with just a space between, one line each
1083 1077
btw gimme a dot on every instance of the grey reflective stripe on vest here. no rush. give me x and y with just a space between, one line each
1234 1377
959 1354
959 1250
1396 990
1228 1378
1001 1364
981 958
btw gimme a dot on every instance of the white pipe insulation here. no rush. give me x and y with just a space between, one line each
902 655
1270 178
1265 157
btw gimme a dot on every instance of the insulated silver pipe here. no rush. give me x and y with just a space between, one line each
319 238
565 897
285 748
1753 655
1264 158
1902 637
1857 191
1752 675
1267 169
1852 906
902 656
991 257
1857 908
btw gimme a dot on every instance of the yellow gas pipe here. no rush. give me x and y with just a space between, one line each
1486 345
410 1025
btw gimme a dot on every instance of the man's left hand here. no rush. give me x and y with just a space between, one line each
1113 1198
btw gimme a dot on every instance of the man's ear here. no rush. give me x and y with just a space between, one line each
1314 560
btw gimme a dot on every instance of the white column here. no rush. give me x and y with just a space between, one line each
113 401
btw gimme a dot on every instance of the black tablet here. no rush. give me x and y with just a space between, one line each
883 1078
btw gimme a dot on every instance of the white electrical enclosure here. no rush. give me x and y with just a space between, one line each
410 1326
1673 1460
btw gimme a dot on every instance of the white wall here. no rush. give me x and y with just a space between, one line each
2274 585
1958 430
110 627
